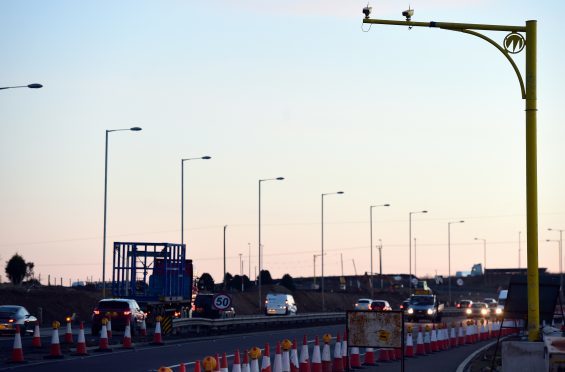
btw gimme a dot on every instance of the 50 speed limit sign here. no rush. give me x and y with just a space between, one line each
221 301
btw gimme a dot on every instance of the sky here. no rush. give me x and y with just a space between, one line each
421 119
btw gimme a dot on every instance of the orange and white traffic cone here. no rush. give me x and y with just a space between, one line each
369 359
81 342
103 342
304 356
294 364
126 343
427 341
420 350
17 351
36 342
383 355
266 361
236 367
409 346
55 349
354 359
277 364
453 337
255 354
338 358
182 367
217 368
461 334
109 329
157 339
433 340
197 366
326 354
344 356
143 332
286 346
68 333
224 363
245 365
440 339
316 357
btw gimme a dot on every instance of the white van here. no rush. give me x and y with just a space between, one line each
502 295
280 304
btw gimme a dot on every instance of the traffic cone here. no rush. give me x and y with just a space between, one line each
409 346
197 366
461 338
344 356
445 337
217 358
143 333
397 353
81 342
245 365
453 336
326 354
17 351
369 359
236 367
182 367
277 364
427 341
55 349
109 329
433 340
36 342
294 364
383 355
316 357
338 358
304 356
69 333
126 343
103 342
286 346
266 362
224 363
440 341
157 340
255 354
420 343
354 359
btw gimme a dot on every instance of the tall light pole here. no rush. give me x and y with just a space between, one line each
133 129
410 248
225 282
449 255
415 259
519 249
514 42
259 277
249 260
380 247
560 259
371 242
314 284
32 86
182 193
241 269
322 278
485 257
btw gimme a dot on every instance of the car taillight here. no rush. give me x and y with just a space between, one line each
127 312
96 312
10 320
458 306
469 305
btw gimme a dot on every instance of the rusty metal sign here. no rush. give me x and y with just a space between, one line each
378 329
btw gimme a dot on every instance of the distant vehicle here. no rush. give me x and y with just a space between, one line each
380 305
463 304
491 302
13 315
404 305
280 304
422 288
502 296
204 308
425 307
78 284
120 311
363 304
478 310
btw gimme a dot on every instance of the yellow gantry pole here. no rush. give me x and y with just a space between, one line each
531 140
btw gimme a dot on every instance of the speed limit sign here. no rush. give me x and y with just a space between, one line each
221 301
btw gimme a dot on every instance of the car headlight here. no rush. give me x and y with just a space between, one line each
484 311
469 311
498 311
410 311
430 311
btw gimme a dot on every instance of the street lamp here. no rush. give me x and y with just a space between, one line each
32 86
410 247
560 259
513 43
182 193
259 277
371 243
322 278
133 129
449 255
225 282
380 248
485 257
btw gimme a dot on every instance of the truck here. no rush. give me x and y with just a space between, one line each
425 307
156 275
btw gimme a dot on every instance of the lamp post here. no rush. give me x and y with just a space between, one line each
371 242
241 269
380 247
182 193
560 259
32 86
322 278
259 277
449 256
485 257
314 281
513 43
225 282
108 131
410 247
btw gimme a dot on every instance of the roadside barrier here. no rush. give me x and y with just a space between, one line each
294 364
236 362
277 364
157 339
338 359
245 365
69 333
17 351
304 365
326 354
369 359
55 349
36 342
81 342
316 356
126 343
286 346
224 363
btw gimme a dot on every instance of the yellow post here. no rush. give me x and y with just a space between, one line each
531 180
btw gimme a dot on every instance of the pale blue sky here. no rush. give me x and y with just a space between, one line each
421 119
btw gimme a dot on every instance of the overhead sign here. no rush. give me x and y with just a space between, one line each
221 301
380 329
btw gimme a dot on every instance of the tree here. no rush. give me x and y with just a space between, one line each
266 278
227 280
206 282
236 283
288 282
17 269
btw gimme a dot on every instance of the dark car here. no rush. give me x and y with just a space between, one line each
478 310
404 305
120 311
380 305
464 304
15 315
204 308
